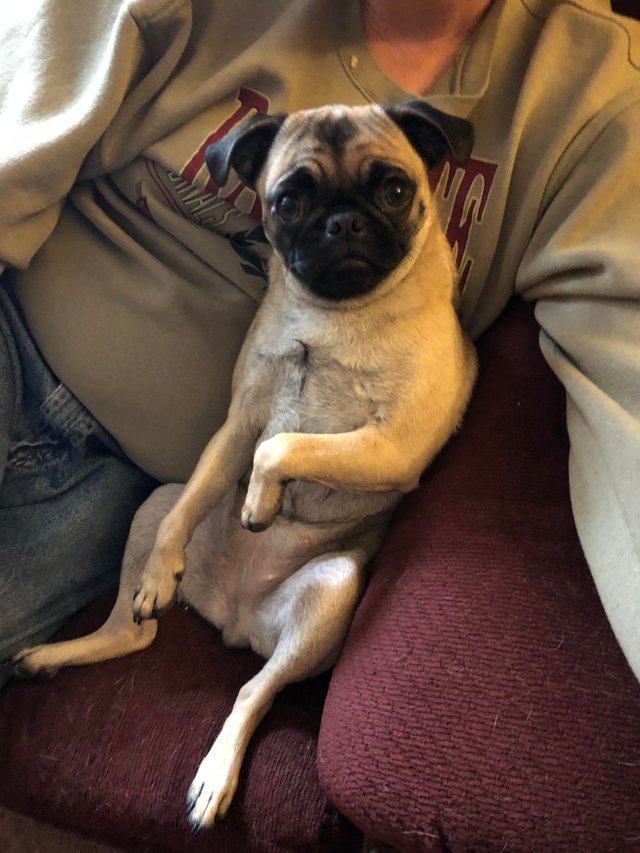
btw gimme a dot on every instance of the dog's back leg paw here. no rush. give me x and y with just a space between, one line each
112 640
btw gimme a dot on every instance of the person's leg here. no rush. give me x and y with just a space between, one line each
67 496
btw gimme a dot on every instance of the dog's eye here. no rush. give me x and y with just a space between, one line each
289 206
394 194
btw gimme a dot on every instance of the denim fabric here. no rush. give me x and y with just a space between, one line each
67 494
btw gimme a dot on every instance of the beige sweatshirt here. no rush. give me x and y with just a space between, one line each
139 277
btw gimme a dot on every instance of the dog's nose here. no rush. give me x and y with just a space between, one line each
343 224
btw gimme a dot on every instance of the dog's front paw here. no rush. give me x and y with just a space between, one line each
262 504
33 663
212 790
264 496
157 588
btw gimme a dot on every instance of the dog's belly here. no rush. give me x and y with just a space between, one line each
317 504
230 571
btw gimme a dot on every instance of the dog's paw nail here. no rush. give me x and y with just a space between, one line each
22 670
19 670
44 674
192 797
179 576
253 526
195 826
19 667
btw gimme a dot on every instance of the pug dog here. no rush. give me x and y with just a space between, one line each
353 375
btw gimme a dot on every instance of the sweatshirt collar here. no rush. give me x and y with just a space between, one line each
457 90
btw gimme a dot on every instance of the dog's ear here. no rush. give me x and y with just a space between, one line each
432 132
245 149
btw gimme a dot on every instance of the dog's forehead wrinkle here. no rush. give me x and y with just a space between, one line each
300 174
293 168
337 138
335 125
376 167
336 132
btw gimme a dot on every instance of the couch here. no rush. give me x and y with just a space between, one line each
481 702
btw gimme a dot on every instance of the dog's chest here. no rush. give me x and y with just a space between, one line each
310 391
314 392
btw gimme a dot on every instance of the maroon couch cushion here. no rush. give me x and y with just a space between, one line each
110 750
481 702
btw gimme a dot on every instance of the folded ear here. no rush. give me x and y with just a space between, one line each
431 132
245 149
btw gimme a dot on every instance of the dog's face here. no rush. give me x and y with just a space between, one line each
344 190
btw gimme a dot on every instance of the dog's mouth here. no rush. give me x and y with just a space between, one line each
344 276
349 265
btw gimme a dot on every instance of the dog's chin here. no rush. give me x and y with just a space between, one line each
346 278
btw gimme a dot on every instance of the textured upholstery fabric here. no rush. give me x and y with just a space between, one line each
481 702
110 750
20 834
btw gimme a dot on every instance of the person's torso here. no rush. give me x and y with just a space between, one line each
142 296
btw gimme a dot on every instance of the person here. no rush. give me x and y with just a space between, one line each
129 279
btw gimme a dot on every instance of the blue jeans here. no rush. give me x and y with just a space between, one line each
67 495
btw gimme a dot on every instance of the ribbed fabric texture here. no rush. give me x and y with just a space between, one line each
110 750
481 702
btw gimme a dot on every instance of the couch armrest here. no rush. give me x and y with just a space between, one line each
481 700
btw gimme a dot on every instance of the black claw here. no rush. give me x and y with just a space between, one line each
193 799
196 825
155 611
38 675
137 617
256 526
179 575
18 667
19 670
43 674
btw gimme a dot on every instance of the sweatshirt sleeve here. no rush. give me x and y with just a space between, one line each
582 267
67 66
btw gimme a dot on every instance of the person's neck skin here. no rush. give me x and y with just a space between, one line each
414 41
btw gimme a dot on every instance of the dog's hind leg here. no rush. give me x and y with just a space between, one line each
300 627
119 635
